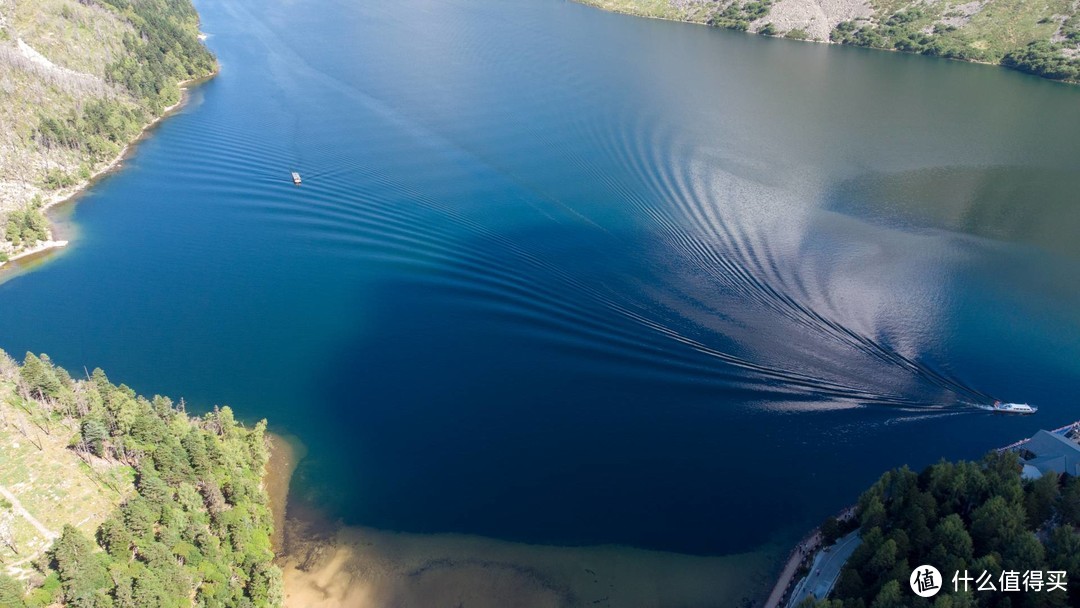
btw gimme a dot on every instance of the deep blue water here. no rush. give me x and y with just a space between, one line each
563 276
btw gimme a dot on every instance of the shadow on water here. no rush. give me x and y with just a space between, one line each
1018 204
1006 231
445 420
563 277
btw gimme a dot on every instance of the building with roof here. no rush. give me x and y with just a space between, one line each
1051 451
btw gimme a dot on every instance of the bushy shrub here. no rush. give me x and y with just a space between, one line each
56 179
26 226
1044 59
100 132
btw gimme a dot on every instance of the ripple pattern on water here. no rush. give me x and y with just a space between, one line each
560 276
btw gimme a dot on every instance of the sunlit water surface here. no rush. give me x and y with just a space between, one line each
561 276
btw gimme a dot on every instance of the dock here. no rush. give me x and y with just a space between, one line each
1072 426
296 178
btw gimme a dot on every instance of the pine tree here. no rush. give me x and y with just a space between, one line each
39 377
82 573
11 592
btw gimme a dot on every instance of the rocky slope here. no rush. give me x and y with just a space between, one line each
1037 36
79 80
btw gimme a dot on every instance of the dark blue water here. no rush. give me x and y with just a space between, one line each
563 276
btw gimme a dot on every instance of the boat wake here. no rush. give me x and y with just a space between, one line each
654 248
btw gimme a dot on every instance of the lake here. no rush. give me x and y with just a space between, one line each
567 277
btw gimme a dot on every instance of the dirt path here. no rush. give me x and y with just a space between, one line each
18 508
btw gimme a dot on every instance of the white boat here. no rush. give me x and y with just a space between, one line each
296 178
1021 409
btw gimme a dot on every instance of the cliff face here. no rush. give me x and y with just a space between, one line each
1037 36
79 79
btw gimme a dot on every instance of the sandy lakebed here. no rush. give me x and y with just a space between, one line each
330 565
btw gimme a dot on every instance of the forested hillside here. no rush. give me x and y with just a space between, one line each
79 79
109 499
1037 36
971 517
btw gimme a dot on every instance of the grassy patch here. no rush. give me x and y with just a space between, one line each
1007 25
78 36
49 480
1015 33
696 12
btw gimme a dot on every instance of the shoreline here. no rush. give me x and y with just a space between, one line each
39 247
617 9
72 193
285 454
810 547
328 564
331 565
802 553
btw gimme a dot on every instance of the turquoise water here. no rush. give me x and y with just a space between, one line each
562 276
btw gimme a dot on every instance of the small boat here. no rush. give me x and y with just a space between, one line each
1021 409
296 178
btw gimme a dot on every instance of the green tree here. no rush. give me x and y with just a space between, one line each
1063 553
1040 499
82 572
139 516
93 435
884 559
970 516
953 536
1044 58
830 531
194 444
1023 552
850 583
1069 503
996 523
39 377
890 597
115 538
955 600
196 531
26 226
873 512
11 592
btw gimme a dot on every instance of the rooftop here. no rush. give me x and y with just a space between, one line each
1053 452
